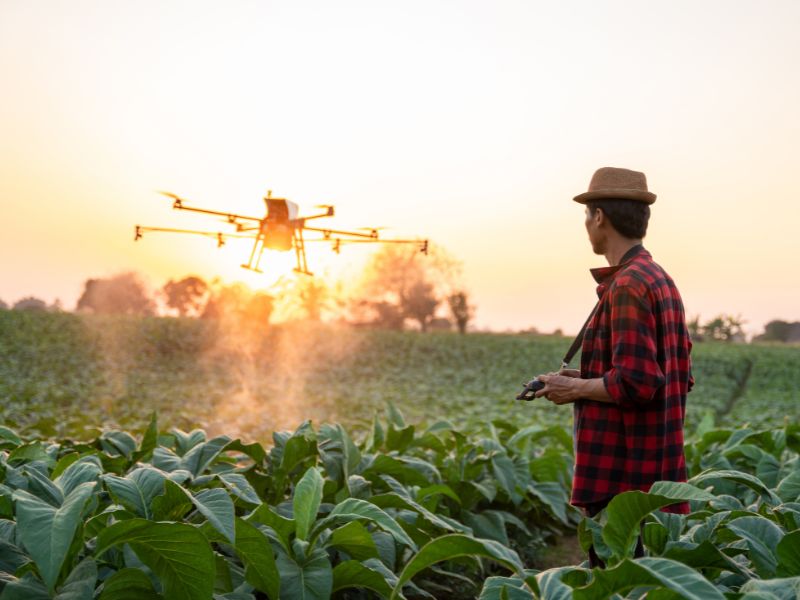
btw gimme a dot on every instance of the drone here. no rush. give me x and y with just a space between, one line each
280 229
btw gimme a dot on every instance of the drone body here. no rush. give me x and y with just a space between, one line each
280 229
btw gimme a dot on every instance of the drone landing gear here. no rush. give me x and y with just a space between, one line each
300 253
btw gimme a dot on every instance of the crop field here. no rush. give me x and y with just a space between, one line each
315 462
62 373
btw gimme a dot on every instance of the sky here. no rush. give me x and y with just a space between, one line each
472 124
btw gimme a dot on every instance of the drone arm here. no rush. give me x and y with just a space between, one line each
328 232
230 216
141 230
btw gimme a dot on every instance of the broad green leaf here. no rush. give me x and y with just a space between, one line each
80 583
437 489
761 535
39 485
118 443
655 537
308 578
282 526
739 477
11 557
27 587
201 456
503 469
486 525
626 511
216 506
306 501
499 588
238 485
451 546
47 532
65 461
788 554
254 450
406 470
789 488
787 588
129 584
702 556
28 453
166 460
7 434
354 574
82 470
178 554
149 439
173 504
256 553
393 500
553 495
661 572
186 441
137 489
551 586
352 509
354 539
394 416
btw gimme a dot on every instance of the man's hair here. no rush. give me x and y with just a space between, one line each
628 217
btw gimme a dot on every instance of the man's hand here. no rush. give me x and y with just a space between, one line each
561 388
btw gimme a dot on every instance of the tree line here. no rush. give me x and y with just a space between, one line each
398 288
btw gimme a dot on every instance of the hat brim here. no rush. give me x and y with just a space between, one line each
616 194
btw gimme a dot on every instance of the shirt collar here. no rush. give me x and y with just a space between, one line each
605 274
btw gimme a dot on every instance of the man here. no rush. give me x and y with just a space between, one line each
629 395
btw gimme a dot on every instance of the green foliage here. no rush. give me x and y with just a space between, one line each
319 514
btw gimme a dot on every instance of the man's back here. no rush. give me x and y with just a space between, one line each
639 344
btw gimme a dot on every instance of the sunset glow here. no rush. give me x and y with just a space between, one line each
472 124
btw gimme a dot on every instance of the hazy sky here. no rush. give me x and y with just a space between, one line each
471 123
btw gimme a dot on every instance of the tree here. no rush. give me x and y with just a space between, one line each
695 329
420 303
725 328
121 294
31 303
3 305
776 331
389 316
239 305
404 277
259 308
187 296
461 310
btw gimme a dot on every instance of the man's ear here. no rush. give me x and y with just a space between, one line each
599 217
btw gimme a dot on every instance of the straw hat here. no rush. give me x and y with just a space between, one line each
620 184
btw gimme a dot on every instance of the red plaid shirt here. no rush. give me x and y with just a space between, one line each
638 343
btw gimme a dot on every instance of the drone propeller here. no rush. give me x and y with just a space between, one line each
328 209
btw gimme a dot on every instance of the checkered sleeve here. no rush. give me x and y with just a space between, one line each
635 375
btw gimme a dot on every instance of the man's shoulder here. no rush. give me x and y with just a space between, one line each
642 275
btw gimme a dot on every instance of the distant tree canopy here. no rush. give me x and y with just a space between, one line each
121 294
188 295
461 310
780 331
30 303
723 328
401 283
239 304
3 305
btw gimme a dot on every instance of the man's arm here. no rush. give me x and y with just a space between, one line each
566 388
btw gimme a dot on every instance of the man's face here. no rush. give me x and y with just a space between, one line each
596 237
